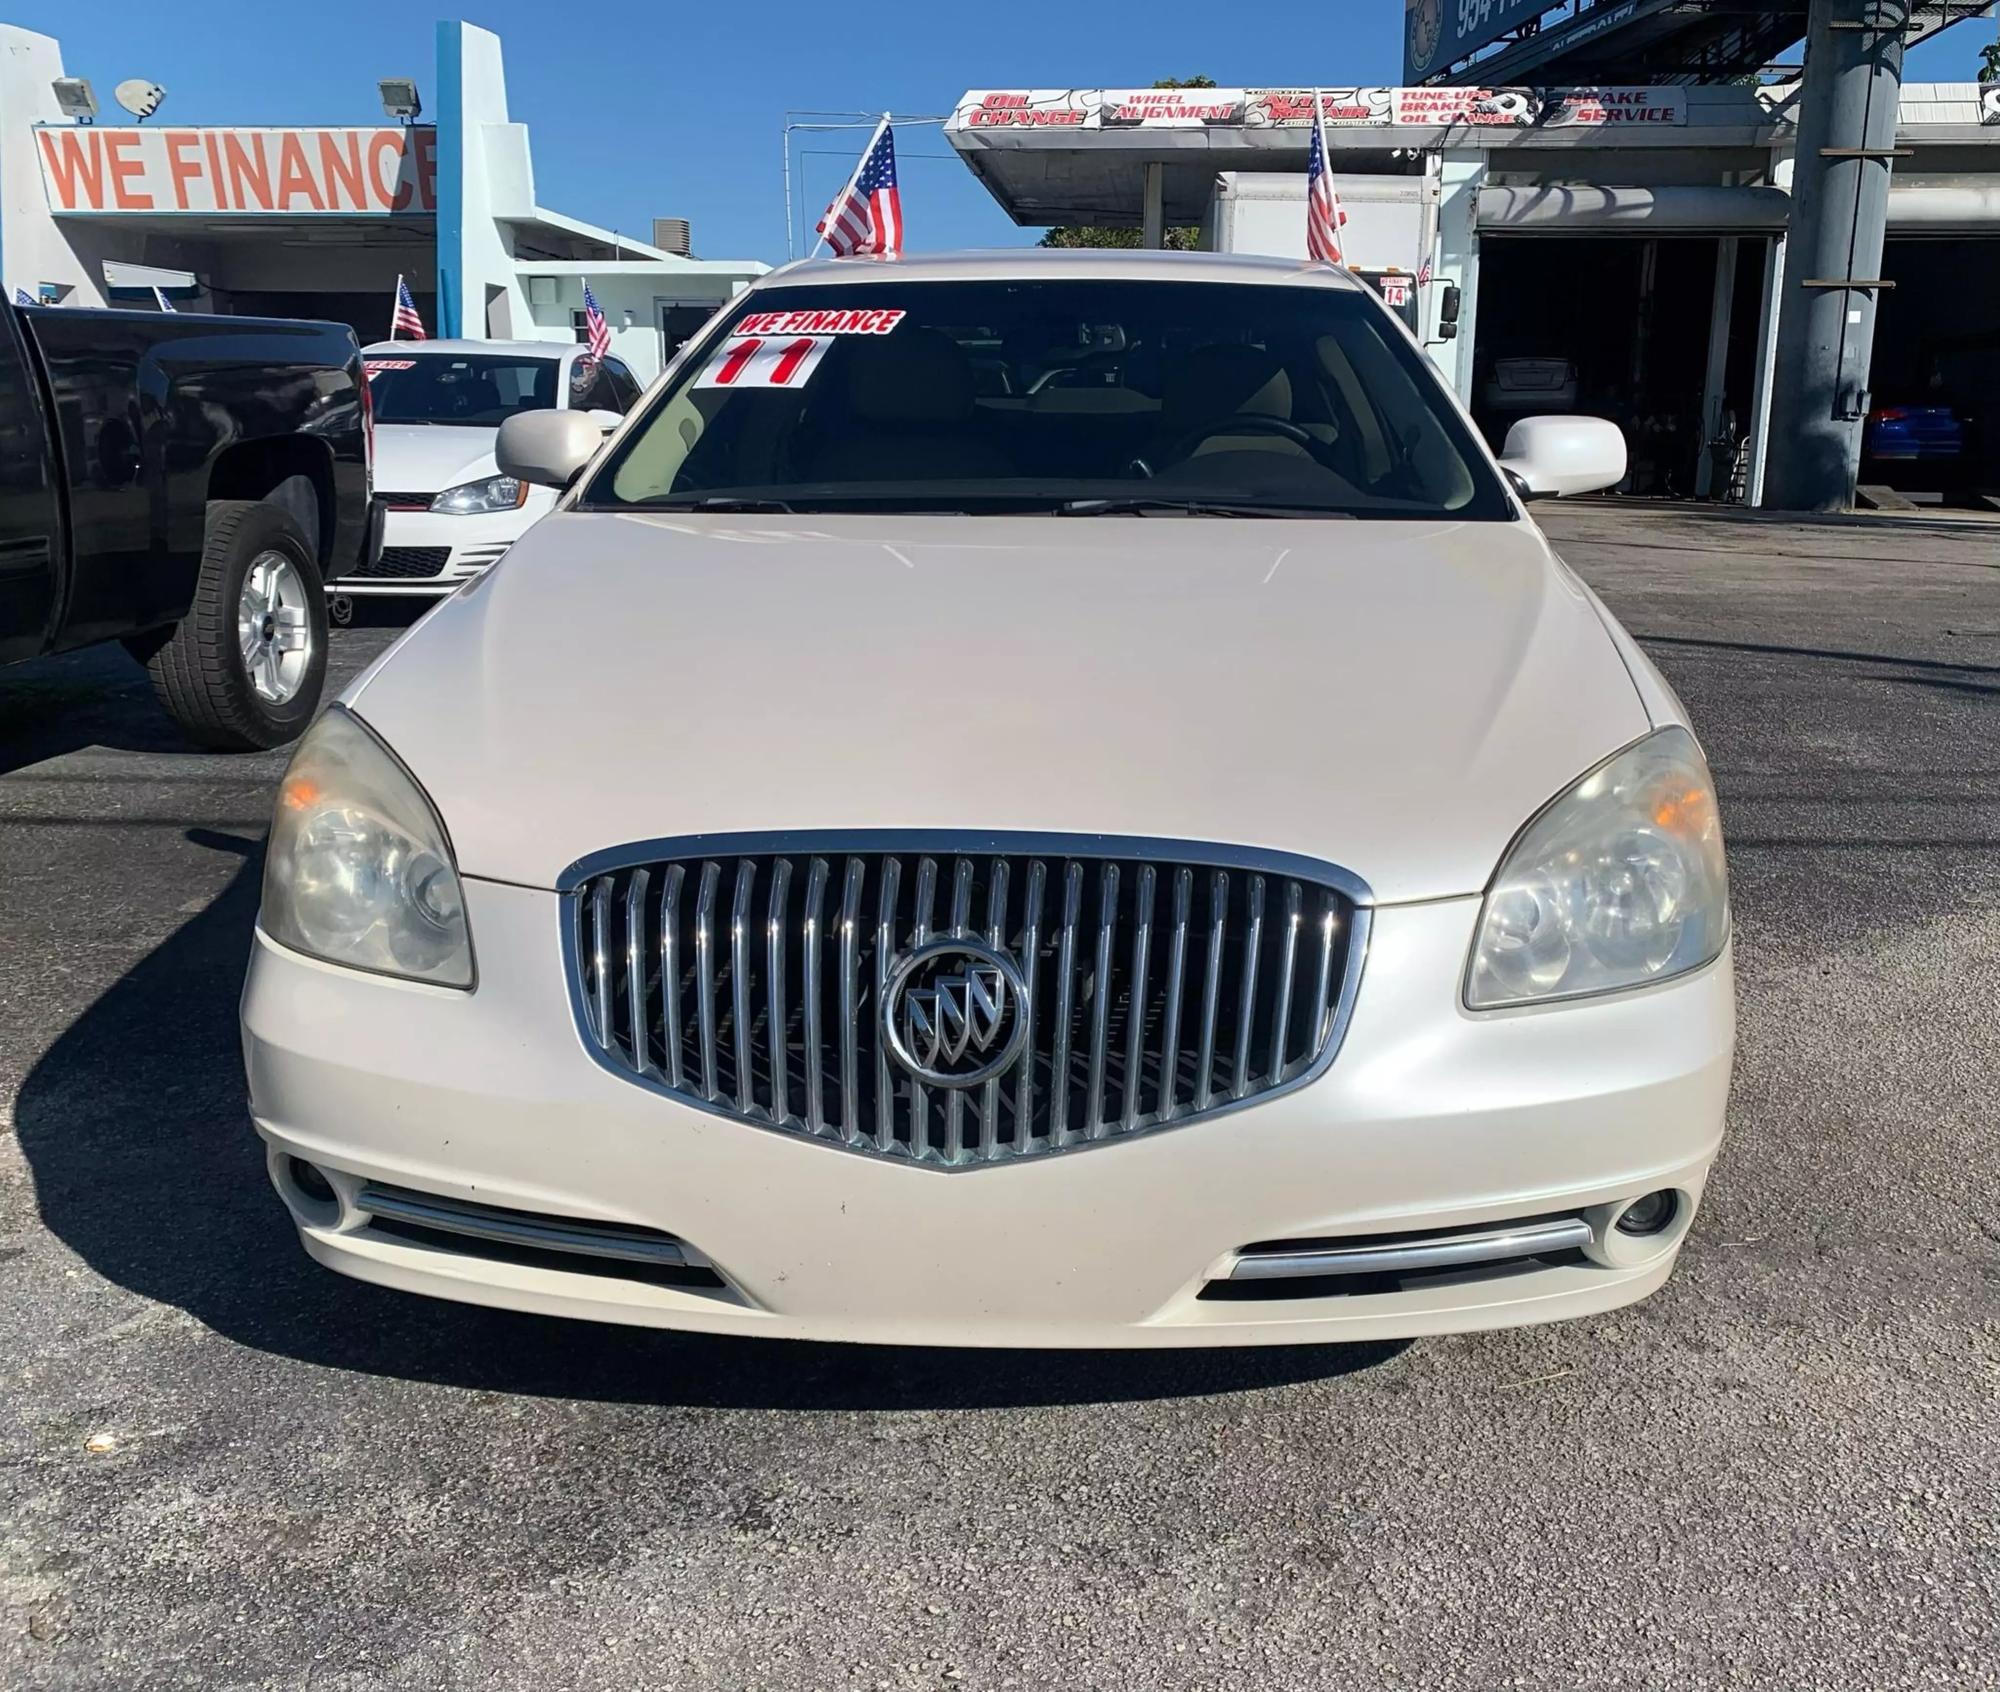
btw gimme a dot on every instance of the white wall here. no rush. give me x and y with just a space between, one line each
499 190
497 181
34 248
641 290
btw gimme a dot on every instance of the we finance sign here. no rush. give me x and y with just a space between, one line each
92 171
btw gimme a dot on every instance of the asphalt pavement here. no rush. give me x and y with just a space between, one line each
221 1466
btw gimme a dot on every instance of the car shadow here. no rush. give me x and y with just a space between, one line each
1953 522
1824 653
100 697
386 611
135 1127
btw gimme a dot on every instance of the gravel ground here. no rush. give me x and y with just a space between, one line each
222 1467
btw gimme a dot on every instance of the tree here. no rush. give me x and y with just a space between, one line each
1100 235
1989 61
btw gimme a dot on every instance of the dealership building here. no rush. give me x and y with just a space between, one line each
1622 247
317 221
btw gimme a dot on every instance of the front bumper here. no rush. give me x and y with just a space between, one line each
425 554
1431 1118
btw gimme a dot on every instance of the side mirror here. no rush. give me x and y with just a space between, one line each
1549 457
547 448
605 418
1448 305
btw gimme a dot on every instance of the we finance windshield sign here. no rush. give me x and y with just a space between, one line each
92 171
1437 33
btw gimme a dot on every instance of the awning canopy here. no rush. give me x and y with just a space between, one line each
1093 155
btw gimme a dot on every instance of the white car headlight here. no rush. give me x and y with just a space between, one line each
359 870
470 499
1619 882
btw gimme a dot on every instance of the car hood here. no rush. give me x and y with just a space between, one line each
1396 698
430 457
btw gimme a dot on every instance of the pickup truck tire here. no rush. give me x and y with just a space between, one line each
242 671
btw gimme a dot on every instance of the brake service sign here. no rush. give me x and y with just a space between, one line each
90 170
1437 33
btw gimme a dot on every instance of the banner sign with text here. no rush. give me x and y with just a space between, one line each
1292 108
90 170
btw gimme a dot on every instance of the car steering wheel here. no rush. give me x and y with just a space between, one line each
1247 423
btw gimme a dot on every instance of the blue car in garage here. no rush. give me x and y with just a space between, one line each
1906 437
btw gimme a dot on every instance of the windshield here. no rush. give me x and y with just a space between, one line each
1081 397
473 390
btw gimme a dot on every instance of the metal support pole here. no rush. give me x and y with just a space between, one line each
1767 354
1153 216
1833 274
1715 378
791 222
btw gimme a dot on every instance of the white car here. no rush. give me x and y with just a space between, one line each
905 855
448 513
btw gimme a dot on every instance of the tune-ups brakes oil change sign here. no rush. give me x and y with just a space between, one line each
782 349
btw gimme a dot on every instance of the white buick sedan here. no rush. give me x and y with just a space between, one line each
1037 800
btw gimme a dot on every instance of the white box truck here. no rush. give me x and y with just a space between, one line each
1390 220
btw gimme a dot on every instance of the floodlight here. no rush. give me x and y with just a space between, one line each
399 97
74 96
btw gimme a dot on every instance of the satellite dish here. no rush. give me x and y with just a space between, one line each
139 97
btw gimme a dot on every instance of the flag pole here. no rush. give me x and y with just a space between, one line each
854 176
395 301
1325 158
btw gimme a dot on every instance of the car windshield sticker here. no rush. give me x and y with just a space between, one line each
581 374
819 323
373 365
765 361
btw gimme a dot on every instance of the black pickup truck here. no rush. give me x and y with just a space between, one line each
185 485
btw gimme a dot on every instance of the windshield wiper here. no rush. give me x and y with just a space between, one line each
718 502
1161 505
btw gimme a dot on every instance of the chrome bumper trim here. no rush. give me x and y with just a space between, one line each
1454 1251
512 1227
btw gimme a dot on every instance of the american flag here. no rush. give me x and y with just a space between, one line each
1323 214
405 320
1424 272
867 215
593 321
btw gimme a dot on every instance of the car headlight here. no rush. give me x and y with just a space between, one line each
1619 882
359 870
495 493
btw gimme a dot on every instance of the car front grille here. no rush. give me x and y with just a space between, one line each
412 562
1137 985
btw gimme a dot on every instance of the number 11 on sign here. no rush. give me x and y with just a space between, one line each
758 361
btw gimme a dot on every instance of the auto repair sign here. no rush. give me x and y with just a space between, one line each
90 171
1096 109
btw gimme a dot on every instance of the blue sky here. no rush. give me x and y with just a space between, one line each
639 108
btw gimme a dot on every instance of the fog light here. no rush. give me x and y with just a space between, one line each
307 1178
1652 1214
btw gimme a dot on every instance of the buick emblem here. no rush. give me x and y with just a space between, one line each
952 1013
